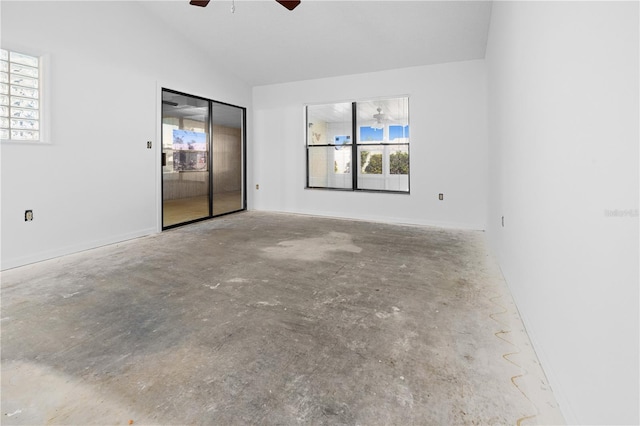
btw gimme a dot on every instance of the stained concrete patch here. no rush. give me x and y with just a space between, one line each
312 249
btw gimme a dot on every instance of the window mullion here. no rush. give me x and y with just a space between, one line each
355 169
386 170
306 140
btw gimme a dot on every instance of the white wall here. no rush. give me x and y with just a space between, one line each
563 149
448 146
96 183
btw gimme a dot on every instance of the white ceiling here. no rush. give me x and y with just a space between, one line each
264 43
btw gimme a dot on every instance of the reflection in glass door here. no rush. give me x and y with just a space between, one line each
202 158
227 136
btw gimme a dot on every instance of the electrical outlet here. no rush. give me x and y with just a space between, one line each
503 221
28 215
440 197
257 186
149 144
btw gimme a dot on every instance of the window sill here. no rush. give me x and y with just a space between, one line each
379 191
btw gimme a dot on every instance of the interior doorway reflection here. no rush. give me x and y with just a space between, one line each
202 158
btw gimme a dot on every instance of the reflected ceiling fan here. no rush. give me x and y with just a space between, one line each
289 4
380 119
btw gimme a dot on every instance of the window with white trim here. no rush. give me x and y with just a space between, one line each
359 145
20 96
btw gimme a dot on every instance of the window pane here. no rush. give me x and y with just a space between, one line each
369 134
4 55
25 135
20 58
24 91
24 124
399 160
4 100
329 140
24 103
24 70
383 168
4 111
23 81
24 113
4 77
370 167
330 167
4 122
384 120
4 134
326 122
370 160
399 134
342 161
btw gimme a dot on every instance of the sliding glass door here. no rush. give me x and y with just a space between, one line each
202 158
227 134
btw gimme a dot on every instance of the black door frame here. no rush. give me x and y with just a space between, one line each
209 159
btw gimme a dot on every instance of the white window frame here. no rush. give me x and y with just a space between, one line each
44 91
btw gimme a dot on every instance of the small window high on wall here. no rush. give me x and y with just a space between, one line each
359 145
20 97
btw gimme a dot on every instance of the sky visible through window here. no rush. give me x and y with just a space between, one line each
342 140
368 134
396 132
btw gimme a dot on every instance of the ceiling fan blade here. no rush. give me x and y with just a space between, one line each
289 4
201 3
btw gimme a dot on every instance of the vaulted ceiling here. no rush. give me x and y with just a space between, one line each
264 43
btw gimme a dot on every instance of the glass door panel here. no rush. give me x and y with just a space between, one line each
227 151
185 159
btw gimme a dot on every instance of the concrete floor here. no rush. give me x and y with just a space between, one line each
260 318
